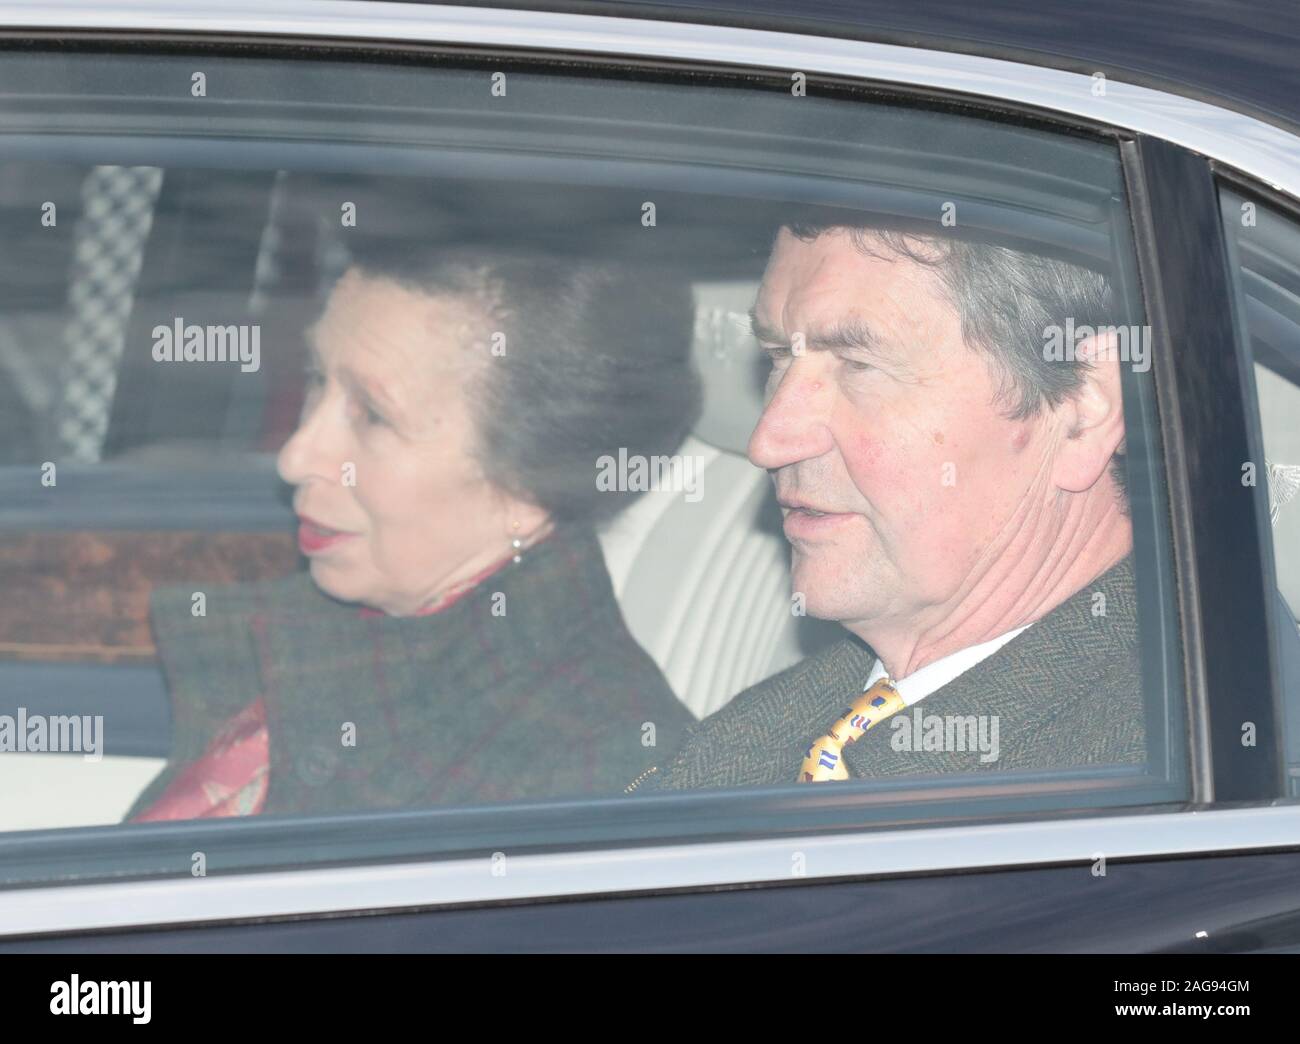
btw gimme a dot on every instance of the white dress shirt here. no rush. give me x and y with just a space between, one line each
934 676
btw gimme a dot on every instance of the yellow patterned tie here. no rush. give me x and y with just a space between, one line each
825 758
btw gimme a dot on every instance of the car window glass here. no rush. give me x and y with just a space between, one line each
383 437
1266 252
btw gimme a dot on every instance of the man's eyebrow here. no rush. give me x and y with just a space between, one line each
852 333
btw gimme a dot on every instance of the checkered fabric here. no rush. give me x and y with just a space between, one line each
118 205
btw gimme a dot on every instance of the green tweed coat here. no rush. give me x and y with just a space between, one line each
1066 692
551 697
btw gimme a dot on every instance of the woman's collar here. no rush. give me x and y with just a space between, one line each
445 599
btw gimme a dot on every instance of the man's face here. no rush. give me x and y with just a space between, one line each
898 474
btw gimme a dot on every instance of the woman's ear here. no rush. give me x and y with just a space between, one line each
521 519
1092 418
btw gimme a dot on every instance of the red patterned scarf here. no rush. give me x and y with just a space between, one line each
233 774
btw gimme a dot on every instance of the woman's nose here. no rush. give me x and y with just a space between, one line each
793 424
305 454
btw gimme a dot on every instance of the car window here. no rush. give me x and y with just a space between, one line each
1266 271
438 435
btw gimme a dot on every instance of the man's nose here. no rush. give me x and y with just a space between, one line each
309 452
793 425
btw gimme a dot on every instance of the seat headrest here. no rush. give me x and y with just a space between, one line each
732 368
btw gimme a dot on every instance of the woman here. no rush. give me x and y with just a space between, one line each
456 638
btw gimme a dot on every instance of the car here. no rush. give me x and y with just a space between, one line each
166 165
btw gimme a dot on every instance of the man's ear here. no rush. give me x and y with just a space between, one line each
1092 418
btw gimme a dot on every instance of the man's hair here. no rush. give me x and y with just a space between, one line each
597 358
1005 299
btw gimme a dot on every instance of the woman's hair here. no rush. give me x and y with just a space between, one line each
582 358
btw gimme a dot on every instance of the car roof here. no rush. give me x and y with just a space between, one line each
1239 54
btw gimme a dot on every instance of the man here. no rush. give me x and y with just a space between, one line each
952 488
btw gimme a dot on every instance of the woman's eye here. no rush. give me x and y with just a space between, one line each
364 414
858 367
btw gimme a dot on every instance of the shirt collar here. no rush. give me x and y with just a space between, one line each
934 676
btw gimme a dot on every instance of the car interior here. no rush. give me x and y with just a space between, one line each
181 485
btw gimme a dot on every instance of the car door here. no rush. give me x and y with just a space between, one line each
564 122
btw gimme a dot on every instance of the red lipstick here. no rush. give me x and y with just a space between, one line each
314 538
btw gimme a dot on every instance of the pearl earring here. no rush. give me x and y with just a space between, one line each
517 544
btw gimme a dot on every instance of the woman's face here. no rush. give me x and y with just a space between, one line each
392 505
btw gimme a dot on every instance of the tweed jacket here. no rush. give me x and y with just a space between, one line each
529 686
1065 692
